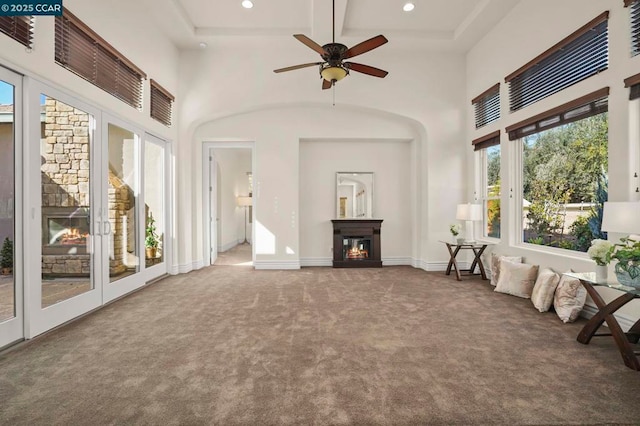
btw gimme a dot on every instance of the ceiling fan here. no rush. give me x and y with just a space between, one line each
333 67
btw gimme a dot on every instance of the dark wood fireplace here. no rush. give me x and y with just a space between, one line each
356 243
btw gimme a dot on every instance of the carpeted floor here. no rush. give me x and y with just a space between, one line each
397 345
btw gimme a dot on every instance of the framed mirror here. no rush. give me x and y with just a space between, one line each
354 195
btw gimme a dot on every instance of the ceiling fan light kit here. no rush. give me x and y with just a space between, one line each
333 68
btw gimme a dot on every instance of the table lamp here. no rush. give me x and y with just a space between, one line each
469 213
622 217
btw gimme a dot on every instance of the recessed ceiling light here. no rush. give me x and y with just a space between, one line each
202 45
247 4
408 7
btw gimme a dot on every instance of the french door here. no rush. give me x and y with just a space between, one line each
87 213
11 277
64 221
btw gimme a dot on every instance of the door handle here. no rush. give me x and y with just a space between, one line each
107 227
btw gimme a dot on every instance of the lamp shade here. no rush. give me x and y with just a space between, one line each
333 73
469 212
244 201
622 217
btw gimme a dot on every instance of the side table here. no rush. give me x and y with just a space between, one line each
454 249
605 313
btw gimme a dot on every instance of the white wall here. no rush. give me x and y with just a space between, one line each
230 93
528 30
392 197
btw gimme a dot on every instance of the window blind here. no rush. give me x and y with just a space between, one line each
586 106
635 26
19 28
80 50
580 55
161 103
633 83
484 142
487 106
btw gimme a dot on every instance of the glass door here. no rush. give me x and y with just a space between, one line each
62 226
123 227
155 211
11 287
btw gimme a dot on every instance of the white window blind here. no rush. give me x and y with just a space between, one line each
580 55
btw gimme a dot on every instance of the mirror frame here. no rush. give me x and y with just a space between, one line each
368 214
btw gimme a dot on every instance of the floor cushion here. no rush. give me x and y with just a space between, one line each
544 289
569 299
516 279
495 265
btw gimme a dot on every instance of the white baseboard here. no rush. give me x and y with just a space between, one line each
397 261
276 264
440 266
316 261
227 246
186 267
625 322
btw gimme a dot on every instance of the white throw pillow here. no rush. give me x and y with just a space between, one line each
544 289
569 299
495 265
516 279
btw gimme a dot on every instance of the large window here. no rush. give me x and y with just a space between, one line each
564 177
488 148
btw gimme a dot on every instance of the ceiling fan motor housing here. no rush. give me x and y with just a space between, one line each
334 53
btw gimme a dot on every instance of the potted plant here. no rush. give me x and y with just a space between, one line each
6 257
455 231
599 253
151 240
627 253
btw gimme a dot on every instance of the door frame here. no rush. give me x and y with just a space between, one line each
38 319
207 195
13 329
162 268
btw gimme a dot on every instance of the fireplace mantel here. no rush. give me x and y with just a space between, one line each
356 243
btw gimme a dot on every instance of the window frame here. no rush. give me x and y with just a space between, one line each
517 229
481 145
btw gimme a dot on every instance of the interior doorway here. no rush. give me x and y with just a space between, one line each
229 203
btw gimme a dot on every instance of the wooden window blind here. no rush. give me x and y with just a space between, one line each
161 103
586 106
80 50
484 142
635 25
577 57
487 106
633 83
19 28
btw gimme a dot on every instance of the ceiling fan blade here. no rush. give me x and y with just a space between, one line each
326 84
310 43
366 69
296 67
365 46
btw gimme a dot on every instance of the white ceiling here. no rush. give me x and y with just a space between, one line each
440 24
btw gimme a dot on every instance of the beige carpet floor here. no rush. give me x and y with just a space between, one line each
392 346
